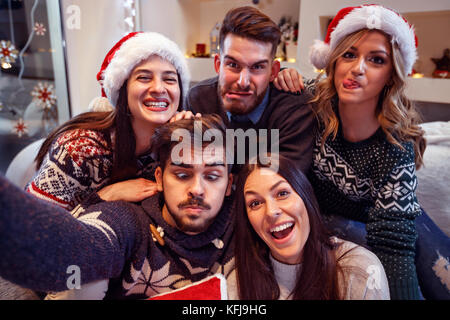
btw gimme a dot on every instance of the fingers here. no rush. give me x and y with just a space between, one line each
290 83
187 115
173 117
133 190
139 189
289 80
178 115
294 81
277 85
300 81
184 115
149 188
147 183
150 192
281 77
284 82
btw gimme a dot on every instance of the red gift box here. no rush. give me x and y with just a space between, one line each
211 288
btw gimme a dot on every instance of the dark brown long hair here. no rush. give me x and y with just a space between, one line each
116 122
318 277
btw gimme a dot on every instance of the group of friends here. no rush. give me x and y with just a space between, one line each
332 215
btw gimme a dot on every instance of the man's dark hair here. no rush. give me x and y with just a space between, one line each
162 143
249 22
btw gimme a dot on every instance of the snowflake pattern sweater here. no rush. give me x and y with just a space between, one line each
374 181
78 163
112 241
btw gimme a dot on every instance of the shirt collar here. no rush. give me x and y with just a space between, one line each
253 116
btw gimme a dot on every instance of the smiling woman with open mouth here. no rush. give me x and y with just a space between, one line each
144 79
282 250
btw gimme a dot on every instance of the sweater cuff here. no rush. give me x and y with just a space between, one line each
405 289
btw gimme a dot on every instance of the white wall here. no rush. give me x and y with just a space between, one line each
101 27
165 17
188 22
432 30
208 13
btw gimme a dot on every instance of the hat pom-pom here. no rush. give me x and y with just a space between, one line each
319 54
100 104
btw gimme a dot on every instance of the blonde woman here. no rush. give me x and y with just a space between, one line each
370 144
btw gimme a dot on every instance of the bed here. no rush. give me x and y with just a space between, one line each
433 190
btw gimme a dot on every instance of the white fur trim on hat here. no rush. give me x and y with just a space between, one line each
100 104
137 49
319 54
373 17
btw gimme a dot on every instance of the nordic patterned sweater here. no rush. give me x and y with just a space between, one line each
108 240
374 181
79 162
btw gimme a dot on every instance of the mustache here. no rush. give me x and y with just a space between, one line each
194 201
243 89
235 87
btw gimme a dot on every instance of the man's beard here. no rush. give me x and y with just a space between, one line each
181 221
237 108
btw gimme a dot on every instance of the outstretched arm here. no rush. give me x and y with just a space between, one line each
391 231
42 244
75 166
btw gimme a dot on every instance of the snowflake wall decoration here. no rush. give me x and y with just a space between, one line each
8 52
20 128
44 95
39 29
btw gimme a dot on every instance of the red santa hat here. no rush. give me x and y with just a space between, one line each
351 19
129 52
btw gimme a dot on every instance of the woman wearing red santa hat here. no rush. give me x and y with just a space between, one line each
370 145
144 80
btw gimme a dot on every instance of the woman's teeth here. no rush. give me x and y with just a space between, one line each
154 104
282 227
282 230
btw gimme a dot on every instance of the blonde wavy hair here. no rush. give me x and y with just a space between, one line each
396 114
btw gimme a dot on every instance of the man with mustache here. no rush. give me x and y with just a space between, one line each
126 250
242 93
